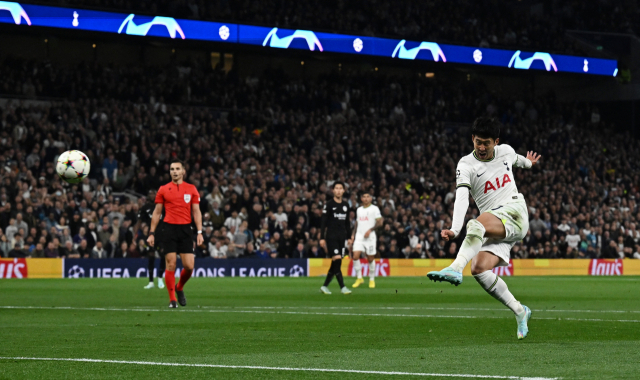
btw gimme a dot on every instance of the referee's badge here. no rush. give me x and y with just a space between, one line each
187 198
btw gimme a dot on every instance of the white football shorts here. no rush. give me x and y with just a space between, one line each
367 246
515 217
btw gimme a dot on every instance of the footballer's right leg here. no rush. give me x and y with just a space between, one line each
481 269
151 266
170 277
487 225
161 270
357 266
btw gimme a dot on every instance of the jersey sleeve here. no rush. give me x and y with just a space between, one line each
463 175
518 160
195 196
323 224
376 213
160 196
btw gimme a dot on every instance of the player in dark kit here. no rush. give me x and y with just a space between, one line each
180 200
334 232
144 216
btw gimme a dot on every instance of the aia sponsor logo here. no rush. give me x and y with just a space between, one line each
504 271
363 219
489 185
13 268
382 268
602 267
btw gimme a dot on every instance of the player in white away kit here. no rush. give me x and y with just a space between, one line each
503 220
368 220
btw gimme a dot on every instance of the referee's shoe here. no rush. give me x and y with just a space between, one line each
182 300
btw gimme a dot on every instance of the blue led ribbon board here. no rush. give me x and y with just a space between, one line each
277 38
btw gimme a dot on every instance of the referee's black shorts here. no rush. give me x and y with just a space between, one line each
176 238
336 247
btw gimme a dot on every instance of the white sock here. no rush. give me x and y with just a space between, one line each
470 246
372 270
499 290
358 268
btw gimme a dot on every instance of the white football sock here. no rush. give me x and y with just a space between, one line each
358 268
470 246
499 290
372 270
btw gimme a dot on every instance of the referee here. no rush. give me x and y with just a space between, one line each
145 213
180 200
333 234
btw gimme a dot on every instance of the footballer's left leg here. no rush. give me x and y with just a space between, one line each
188 261
481 269
372 269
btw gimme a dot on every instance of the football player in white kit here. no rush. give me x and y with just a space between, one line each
503 220
368 220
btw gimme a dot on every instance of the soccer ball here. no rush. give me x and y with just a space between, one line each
73 166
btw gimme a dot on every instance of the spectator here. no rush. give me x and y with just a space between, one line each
51 250
110 168
98 252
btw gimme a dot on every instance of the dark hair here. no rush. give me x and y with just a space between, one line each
338 183
176 161
365 191
486 128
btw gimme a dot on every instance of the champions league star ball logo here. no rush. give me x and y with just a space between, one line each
525 64
224 32
296 271
283 43
141 30
75 272
16 10
404 53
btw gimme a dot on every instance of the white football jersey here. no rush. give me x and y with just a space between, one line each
366 218
491 182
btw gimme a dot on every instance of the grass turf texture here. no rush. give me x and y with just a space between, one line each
279 322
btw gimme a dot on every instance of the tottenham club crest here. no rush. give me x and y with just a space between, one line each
187 198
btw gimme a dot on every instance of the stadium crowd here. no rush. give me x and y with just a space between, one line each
265 152
487 23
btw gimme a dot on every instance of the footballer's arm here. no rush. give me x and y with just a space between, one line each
459 211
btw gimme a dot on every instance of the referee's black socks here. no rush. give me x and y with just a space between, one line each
334 270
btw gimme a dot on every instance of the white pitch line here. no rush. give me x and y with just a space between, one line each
309 313
391 373
416 308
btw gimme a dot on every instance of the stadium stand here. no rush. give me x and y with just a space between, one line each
528 25
262 153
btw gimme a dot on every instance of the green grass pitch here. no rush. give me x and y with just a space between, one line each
582 328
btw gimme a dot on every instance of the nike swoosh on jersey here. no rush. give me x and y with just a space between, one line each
479 175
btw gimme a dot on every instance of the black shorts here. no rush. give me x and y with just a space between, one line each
336 247
176 238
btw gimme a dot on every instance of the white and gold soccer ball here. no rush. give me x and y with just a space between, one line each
73 166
